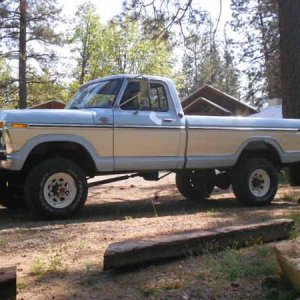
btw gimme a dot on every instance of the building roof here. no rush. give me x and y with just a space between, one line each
49 104
205 107
274 111
219 98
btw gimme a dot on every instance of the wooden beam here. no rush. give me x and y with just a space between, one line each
138 252
8 283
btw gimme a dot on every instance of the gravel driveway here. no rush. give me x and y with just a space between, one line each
56 259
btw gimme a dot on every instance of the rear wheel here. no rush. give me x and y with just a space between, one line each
56 189
255 182
196 184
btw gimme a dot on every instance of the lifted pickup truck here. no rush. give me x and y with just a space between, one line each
135 124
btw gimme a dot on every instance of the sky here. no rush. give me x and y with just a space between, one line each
108 8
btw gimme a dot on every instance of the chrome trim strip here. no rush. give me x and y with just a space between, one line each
106 126
243 128
147 127
186 143
71 125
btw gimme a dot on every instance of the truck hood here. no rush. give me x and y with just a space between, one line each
48 116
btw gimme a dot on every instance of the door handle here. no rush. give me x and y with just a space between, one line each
103 120
168 120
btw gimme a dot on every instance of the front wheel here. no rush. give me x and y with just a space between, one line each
56 189
255 182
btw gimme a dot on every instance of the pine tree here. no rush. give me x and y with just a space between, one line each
256 22
289 11
205 61
26 26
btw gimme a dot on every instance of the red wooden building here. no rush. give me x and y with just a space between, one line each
209 101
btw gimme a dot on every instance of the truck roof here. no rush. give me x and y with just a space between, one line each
128 76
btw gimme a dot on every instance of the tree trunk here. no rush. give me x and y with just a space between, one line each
289 25
22 56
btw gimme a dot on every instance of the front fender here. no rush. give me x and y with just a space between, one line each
19 157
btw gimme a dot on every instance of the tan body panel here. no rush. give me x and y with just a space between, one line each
226 142
100 138
152 142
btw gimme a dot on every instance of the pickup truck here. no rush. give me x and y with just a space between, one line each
127 124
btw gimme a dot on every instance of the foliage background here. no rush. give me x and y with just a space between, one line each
173 38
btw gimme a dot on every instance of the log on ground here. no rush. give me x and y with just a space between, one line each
138 252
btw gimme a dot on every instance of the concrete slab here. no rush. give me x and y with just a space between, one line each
138 252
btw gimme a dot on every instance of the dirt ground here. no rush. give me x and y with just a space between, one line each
63 259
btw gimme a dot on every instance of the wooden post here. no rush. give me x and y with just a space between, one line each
8 283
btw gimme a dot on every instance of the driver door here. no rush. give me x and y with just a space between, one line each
146 129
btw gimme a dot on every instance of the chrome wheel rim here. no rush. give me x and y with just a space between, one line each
60 190
259 183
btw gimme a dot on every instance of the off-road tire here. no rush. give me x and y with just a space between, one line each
196 184
244 176
38 181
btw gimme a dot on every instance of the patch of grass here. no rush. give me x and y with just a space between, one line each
52 265
38 267
92 266
82 245
55 265
280 290
294 216
154 208
152 287
21 285
289 197
230 265
263 262
3 241
211 213
233 264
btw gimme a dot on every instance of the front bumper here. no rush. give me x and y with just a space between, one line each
3 156
5 161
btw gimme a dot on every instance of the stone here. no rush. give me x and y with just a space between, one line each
288 257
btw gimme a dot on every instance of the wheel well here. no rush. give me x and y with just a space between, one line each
261 149
68 150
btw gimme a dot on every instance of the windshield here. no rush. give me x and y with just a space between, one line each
100 94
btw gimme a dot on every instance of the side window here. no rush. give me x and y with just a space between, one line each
130 99
157 98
